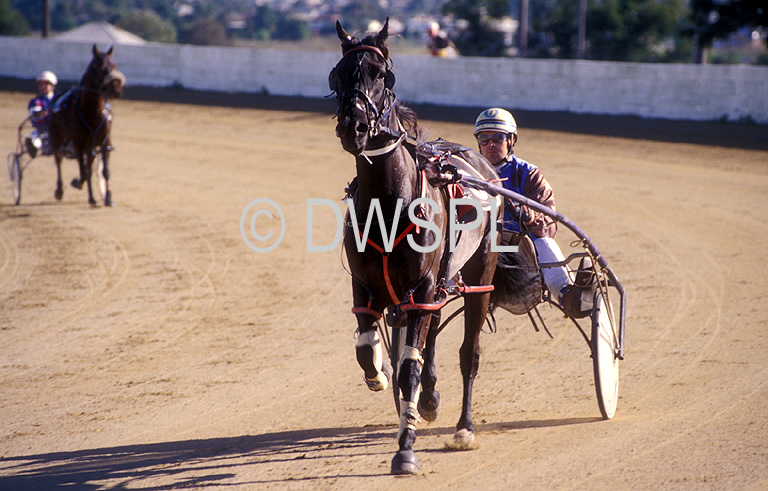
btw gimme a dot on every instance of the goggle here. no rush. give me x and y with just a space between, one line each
496 138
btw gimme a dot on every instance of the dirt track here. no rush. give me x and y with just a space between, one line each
147 347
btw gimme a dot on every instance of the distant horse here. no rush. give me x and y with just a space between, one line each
81 123
375 128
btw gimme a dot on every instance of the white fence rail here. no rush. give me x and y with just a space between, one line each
668 91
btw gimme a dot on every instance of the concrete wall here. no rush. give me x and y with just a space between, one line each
669 91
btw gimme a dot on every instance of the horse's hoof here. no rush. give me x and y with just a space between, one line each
108 199
382 379
404 462
77 183
58 194
429 408
462 440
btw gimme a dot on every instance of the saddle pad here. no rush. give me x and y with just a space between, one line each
468 242
466 169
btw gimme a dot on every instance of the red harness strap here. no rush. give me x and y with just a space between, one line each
410 304
366 310
385 258
365 48
385 254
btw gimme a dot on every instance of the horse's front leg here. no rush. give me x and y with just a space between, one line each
59 192
377 372
409 381
105 175
86 175
77 182
429 399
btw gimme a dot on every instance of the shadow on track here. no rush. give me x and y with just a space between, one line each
215 461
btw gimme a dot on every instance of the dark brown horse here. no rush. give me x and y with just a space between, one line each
81 123
405 263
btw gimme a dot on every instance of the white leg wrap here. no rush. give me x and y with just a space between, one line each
371 338
380 381
377 383
411 353
409 416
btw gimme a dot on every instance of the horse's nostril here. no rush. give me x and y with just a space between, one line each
361 128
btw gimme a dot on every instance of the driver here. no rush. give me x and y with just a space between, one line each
39 112
496 134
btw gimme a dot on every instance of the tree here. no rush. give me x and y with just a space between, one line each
292 30
617 30
148 25
357 14
207 32
479 38
12 22
710 19
631 30
263 23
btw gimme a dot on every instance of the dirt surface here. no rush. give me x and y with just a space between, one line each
146 346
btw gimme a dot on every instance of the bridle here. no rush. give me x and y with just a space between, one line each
94 71
346 99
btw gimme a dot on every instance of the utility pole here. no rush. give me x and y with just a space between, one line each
523 29
46 19
581 43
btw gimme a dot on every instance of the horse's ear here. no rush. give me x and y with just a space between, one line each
95 50
109 53
380 41
345 38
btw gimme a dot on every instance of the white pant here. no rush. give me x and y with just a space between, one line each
556 279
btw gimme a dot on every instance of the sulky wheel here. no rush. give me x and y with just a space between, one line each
605 359
14 172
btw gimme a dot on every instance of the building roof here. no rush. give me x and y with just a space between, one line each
100 33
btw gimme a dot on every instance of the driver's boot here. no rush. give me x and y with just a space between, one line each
577 299
31 148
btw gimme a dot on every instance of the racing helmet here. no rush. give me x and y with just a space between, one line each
47 76
495 119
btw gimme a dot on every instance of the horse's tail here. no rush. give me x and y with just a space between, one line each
516 282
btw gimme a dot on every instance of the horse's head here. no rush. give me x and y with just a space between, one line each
102 74
362 81
113 84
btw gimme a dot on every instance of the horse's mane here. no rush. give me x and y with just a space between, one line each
410 121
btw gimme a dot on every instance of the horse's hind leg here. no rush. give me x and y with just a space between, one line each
469 358
59 192
429 399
